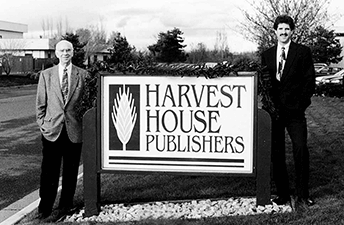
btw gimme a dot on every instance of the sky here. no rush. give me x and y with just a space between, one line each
140 21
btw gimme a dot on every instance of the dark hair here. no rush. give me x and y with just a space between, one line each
284 19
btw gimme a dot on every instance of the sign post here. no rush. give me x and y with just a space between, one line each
175 125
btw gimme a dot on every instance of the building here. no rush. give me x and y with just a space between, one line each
101 53
19 55
37 48
339 31
12 41
12 30
13 45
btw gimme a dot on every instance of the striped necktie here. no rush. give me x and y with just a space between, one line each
280 64
64 86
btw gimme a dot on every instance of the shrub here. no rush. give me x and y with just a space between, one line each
330 90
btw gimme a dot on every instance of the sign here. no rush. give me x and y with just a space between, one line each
174 124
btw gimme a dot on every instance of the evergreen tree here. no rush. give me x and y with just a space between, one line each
79 53
324 46
121 51
169 47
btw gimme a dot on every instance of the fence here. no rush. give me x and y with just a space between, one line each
27 64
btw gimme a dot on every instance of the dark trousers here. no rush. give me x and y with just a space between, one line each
297 129
53 153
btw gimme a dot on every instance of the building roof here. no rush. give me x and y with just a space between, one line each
13 27
27 44
103 49
339 30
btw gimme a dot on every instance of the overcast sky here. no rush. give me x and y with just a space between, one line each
141 20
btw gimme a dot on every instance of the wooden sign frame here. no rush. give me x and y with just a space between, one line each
94 132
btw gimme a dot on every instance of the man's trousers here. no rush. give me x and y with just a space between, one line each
61 150
296 126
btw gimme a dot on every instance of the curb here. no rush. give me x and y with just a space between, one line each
18 86
19 209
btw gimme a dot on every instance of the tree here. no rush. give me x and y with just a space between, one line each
198 54
221 49
49 30
324 46
8 49
62 29
47 27
307 15
7 63
94 37
169 47
121 51
79 53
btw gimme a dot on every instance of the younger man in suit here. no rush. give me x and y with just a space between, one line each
292 75
59 93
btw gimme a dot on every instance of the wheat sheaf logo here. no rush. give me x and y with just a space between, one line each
124 115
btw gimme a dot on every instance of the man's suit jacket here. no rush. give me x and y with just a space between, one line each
294 90
51 112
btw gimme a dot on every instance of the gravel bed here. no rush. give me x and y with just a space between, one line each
194 209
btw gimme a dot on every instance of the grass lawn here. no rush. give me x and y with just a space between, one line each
326 137
14 80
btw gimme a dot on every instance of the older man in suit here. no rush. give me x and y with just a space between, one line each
292 75
59 93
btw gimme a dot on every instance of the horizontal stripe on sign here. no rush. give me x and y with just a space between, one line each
160 164
176 159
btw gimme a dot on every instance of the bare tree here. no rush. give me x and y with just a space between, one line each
68 28
94 37
44 28
59 28
198 54
8 49
50 31
258 21
47 27
62 28
50 23
221 44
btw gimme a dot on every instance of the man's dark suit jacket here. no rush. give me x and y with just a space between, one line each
292 94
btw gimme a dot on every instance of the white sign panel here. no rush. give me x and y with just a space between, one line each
174 124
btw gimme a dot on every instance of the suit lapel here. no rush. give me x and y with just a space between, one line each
74 79
55 82
290 58
273 59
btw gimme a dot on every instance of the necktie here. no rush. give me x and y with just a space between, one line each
280 64
64 86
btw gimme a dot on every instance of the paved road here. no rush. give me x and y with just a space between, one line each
20 144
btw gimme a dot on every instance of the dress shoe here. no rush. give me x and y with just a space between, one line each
281 200
42 216
56 215
309 201
302 204
306 201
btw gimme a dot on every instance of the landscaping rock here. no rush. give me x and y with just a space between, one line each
181 210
